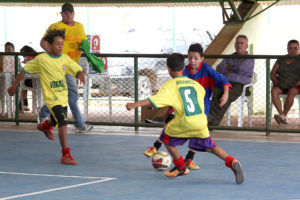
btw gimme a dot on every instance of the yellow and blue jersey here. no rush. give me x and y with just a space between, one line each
186 96
52 71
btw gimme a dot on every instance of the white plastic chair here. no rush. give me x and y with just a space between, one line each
35 89
283 97
240 104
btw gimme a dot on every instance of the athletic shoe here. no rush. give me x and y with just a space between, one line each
281 119
48 133
150 152
86 128
177 172
191 164
67 159
238 171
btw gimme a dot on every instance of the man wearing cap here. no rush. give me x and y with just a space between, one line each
74 34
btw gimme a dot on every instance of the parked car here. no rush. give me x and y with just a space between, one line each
152 71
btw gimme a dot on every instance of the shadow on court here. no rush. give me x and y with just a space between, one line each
114 167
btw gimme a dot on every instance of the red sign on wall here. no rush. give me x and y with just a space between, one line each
95 43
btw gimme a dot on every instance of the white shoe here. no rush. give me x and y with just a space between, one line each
86 128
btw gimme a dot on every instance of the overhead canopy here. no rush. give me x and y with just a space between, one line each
121 3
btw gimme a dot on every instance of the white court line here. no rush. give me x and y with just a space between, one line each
53 175
54 189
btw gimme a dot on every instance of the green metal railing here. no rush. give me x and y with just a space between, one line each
127 120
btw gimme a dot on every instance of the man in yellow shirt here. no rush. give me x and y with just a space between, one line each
52 68
74 34
186 97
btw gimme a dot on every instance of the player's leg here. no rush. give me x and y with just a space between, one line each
157 144
46 126
60 115
189 159
231 163
153 149
43 113
171 143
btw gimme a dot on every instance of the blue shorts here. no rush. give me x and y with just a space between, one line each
198 144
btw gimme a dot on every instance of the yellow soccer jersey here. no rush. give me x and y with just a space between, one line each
73 36
186 96
52 71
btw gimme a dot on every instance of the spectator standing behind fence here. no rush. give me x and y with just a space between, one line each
285 76
73 36
239 73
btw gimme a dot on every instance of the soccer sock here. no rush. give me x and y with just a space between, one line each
228 161
65 151
179 163
157 144
190 155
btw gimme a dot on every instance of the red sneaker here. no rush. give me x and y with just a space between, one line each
47 131
67 159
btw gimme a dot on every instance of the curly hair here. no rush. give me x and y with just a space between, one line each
52 33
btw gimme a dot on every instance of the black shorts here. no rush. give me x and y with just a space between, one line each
59 115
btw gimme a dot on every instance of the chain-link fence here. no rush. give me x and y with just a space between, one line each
134 77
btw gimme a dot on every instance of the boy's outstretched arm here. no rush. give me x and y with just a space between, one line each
81 77
144 102
11 91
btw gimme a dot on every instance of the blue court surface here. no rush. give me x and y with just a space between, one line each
113 167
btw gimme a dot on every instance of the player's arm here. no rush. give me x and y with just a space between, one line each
11 91
224 97
81 76
273 74
145 102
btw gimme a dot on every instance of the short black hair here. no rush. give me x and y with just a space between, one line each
196 47
67 7
293 42
10 44
27 49
175 62
52 33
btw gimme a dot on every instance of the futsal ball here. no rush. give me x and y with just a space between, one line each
161 160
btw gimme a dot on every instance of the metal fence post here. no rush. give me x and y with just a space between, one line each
268 97
136 93
17 91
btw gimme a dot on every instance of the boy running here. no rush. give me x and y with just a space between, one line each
52 68
186 97
207 77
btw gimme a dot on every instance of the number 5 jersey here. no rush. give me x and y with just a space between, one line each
186 96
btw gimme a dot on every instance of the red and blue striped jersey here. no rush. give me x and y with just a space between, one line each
209 79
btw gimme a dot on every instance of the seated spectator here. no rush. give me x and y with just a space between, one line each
27 82
285 76
239 73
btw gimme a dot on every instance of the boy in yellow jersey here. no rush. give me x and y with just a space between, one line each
52 68
186 96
